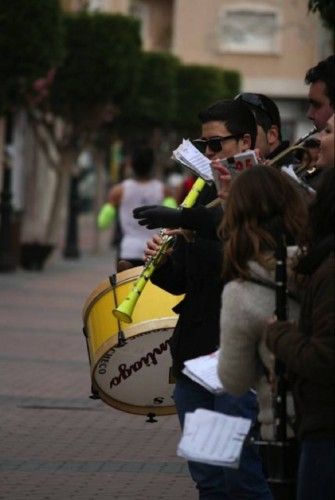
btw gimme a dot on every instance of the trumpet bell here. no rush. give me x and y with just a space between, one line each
124 311
276 161
123 315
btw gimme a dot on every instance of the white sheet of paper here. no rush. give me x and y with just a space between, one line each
188 155
213 438
242 161
203 370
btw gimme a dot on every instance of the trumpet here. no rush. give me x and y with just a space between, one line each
290 149
301 168
125 310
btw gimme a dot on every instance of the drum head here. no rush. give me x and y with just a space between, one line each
136 377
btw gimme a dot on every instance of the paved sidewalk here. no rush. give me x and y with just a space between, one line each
55 442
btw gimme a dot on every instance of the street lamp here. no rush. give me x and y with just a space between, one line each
71 249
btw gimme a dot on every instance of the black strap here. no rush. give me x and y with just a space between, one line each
272 286
280 401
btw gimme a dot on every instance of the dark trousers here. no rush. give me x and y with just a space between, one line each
222 483
316 470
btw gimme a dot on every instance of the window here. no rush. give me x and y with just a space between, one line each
248 29
95 5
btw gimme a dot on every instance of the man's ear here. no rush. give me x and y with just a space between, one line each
272 135
245 142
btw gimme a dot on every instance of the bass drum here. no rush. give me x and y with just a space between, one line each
130 363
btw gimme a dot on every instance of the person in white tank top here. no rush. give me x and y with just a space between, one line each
134 193
142 189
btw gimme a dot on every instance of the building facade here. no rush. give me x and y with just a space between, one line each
272 43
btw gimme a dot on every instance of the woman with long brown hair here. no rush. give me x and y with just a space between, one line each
262 202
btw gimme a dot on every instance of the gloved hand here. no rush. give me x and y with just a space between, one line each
155 216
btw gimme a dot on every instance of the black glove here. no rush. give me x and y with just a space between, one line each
155 216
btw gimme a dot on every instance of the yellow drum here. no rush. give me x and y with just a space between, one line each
130 363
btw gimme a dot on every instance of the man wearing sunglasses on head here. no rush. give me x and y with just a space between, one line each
269 136
193 268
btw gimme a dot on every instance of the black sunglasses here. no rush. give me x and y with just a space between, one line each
214 143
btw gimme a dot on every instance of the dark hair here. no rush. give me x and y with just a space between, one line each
319 239
143 161
262 201
236 116
322 210
265 110
325 72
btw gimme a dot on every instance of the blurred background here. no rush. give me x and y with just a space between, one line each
83 81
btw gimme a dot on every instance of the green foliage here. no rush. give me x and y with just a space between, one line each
30 45
326 9
198 88
232 82
155 101
100 66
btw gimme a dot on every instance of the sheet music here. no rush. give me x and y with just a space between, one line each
242 161
213 438
188 155
203 370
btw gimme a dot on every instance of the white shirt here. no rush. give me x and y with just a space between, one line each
135 194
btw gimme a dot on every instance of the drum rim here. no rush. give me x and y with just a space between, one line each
137 410
93 297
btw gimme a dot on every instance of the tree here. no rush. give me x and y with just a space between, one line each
155 101
167 98
89 88
150 114
100 67
30 45
198 87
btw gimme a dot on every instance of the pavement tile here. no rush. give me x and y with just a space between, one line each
56 442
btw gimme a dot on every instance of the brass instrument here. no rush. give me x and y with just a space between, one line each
301 168
295 146
125 310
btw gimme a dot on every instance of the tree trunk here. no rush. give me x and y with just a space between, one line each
58 208
99 199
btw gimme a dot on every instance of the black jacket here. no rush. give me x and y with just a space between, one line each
195 270
287 159
308 350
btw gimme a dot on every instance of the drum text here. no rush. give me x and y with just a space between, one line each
102 366
149 359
